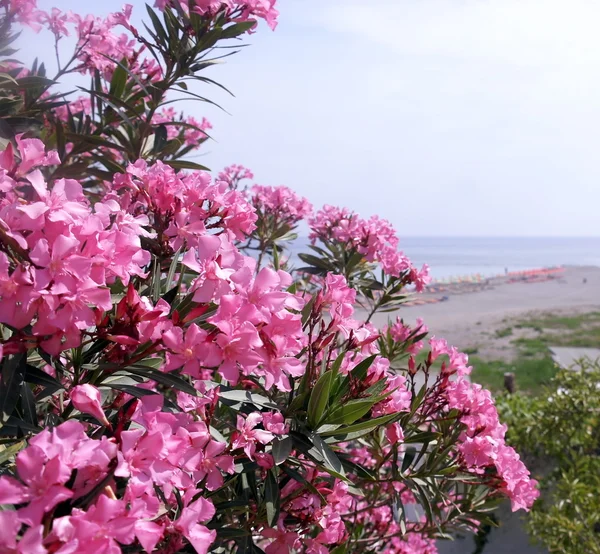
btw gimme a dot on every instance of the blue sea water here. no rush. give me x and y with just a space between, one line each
462 256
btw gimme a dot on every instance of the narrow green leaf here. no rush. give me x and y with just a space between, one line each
319 399
363 427
160 138
182 164
119 80
272 499
168 379
28 404
36 376
348 413
237 29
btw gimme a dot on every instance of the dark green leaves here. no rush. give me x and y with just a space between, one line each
12 377
170 380
272 500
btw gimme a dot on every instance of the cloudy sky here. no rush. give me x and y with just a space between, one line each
448 117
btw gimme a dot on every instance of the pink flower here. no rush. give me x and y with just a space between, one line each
104 526
394 433
30 543
280 203
45 466
438 347
190 352
88 400
282 541
234 174
478 451
33 154
189 525
248 436
213 461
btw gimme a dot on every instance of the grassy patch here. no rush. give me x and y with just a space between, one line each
533 365
553 321
471 351
531 373
506 332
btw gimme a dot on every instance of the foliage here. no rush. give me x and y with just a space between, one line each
161 391
559 432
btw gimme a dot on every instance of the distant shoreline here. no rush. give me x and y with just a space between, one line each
474 311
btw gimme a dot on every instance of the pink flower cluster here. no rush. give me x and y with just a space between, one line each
244 10
182 208
171 453
457 360
374 238
255 333
64 252
483 445
281 203
24 11
234 174
404 334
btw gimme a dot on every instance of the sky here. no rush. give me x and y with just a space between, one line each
447 117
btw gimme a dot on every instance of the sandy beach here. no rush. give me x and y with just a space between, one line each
471 314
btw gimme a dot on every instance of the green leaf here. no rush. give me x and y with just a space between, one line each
298 403
281 449
317 262
13 375
407 460
363 428
233 397
28 404
170 296
348 413
15 427
159 29
272 499
331 463
424 437
9 451
319 399
182 164
168 379
160 138
377 388
131 389
307 310
38 377
119 80
237 29
360 371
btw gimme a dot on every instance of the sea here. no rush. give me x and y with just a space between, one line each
458 257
